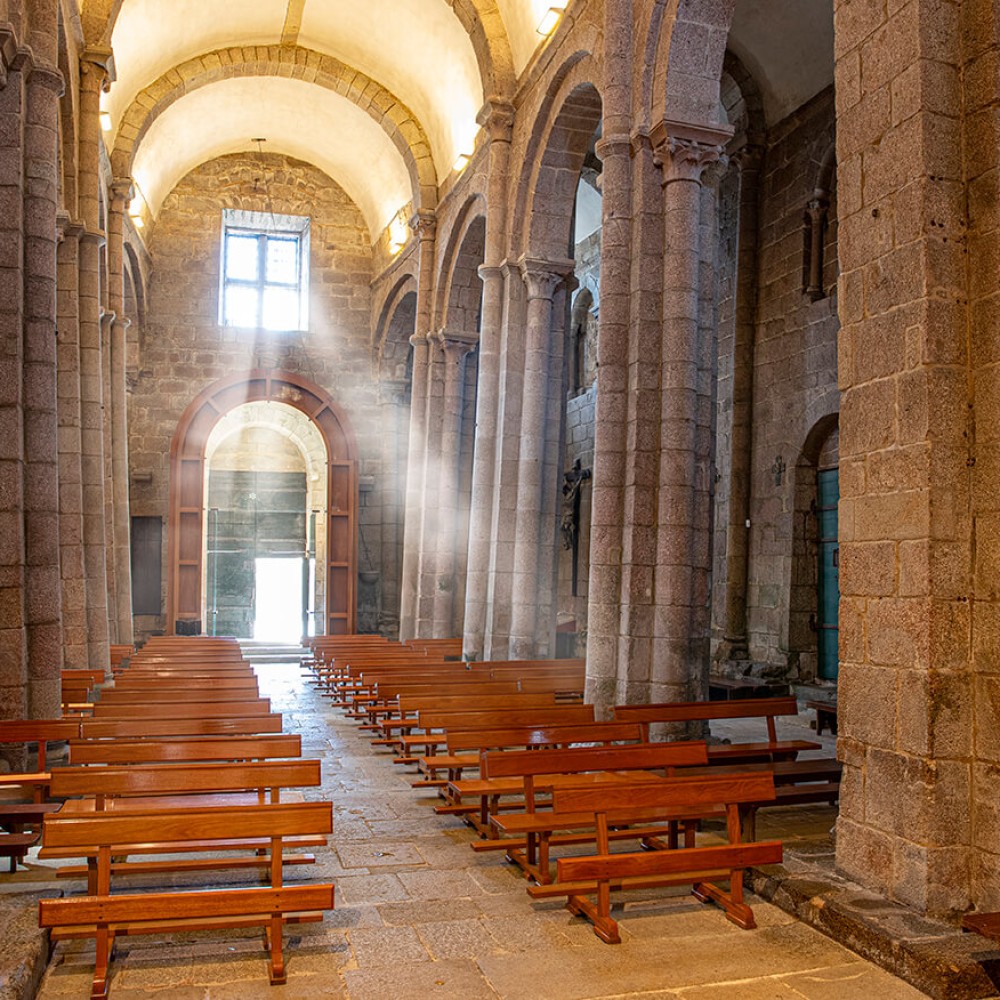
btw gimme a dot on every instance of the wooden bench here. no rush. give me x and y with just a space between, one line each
15 840
408 706
826 716
611 805
215 726
726 688
179 749
141 788
158 708
464 747
156 682
526 773
170 695
104 916
434 725
767 709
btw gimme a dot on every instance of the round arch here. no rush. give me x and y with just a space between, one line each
185 527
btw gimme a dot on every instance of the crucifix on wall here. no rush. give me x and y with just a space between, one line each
570 527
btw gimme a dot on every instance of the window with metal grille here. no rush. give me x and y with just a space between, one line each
264 271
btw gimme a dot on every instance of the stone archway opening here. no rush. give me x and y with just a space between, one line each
314 437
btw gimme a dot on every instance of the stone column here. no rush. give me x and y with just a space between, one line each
919 671
541 280
74 596
455 347
424 226
107 319
120 194
607 516
680 645
93 74
431 520
43 586
498 121
13 652
735 639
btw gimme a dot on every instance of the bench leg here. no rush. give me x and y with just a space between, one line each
274 942
605 927
99 988
732 902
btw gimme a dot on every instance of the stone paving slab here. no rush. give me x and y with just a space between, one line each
420 916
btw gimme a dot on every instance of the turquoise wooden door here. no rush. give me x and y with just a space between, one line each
828 598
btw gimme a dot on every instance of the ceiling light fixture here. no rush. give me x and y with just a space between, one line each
549 20
461 162
106 122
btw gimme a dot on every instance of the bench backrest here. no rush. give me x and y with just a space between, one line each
671 793
470 690
173 779
460 740
705 711
38 730
153 682
154 708
575 760
248 725
169 694
410 703
224 823
506 717
205 748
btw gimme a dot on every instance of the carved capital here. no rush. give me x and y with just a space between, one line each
49 78
639 140
749 157
684 151
99 61
418 340
543 277
456 346
97 237
424 224
496 117
610 146
816 209
490 272
121 191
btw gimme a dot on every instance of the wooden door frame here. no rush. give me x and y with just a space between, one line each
186 523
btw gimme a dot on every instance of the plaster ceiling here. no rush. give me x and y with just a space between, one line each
787 46
521 18
298 119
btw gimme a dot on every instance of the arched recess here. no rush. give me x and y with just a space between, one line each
187 485
459 286
396 324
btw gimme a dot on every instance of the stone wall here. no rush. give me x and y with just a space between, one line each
184 349
795 379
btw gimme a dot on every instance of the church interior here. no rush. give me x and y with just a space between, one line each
652 337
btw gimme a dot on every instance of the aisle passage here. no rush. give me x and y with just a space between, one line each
419 915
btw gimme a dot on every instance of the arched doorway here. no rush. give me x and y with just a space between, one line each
186 540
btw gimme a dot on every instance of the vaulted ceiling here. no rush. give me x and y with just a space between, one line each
408 78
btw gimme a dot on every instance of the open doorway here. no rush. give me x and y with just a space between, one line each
279 599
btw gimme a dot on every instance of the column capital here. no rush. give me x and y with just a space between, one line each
456 345
418 340
8 52
424 223
542 277
490 272
101 59
121 190
684 150
496 116
67 227
96 236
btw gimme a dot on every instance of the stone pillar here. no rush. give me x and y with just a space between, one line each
120 195
680 645
43 586
424 226
527 633
93 74
431 520
735 641
918 680
74 596
13 652
498 122
455 347
107 319
606 584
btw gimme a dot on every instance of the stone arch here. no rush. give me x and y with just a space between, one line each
582 340
396 119
185 526
396 324
802 603
459 285
568 118
685 50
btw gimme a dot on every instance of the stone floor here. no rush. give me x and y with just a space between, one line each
419 916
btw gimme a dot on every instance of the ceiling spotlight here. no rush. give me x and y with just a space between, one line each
461 162
549 21
137 221
106 122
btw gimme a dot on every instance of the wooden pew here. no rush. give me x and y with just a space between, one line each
104 916
702 867
434 725
525 773
465 746
176 726
767 709
138 788
170 695
157 682
125 750
159 708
